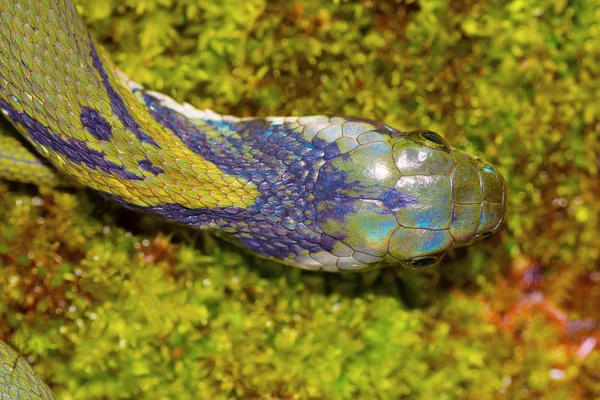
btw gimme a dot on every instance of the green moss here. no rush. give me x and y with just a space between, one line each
113 305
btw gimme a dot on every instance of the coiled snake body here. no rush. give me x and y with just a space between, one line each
322 192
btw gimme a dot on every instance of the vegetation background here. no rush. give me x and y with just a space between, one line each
109 304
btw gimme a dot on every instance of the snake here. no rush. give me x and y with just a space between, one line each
18 381
323 192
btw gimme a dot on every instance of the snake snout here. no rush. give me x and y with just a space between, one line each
479 199
493 187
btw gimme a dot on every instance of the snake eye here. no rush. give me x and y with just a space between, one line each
433 137
425 261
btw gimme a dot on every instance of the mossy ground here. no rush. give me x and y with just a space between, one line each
109 304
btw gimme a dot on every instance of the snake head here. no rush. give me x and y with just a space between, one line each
457 199
406 198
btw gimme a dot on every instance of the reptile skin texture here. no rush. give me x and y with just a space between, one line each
17 379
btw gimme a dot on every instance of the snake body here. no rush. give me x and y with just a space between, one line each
322 192
18 381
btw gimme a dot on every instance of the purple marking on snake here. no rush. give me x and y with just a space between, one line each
74 149
95 124
145 164
116 102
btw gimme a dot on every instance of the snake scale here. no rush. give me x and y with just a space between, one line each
326 193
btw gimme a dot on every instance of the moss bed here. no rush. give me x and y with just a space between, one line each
109 304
